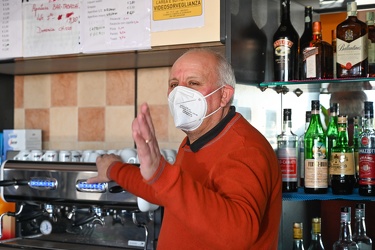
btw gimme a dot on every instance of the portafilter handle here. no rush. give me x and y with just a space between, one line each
8 214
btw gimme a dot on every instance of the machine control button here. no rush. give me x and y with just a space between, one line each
83 186
43 183
45 227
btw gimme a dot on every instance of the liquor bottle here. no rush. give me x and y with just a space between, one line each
357 125
317 56
371 43
298 236
287 152
342 166
334 44
345 241
359 236
316 236
366 153
285 47
306 37
316 165
352 60
301 156
332 129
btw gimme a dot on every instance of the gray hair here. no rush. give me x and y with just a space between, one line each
224 68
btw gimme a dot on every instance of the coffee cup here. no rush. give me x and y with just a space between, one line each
76 156
86 155
50 155
35 155
65 156
129 155
22 155
170 155
146 206
92 156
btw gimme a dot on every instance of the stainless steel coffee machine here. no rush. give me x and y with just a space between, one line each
57 209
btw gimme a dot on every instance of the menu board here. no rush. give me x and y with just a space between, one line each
113 25
11 29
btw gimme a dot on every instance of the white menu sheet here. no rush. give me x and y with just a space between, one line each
115 25
51 27
11 29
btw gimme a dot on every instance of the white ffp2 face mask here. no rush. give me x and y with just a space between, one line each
188 107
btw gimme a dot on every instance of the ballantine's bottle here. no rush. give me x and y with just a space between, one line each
316 236
359 236
366 153
316 165
285 47
352 60
301 156
345 241
298 236
287 152
342 166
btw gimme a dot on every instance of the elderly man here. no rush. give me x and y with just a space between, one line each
224 189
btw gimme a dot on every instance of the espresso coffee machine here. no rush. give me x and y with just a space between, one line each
57 209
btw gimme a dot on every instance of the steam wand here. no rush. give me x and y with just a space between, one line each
8 214
135 221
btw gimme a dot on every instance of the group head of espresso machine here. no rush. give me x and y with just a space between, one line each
57 209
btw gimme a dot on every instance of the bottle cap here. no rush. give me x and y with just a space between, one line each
334 108
315 105
351 8
287 114
370 17
369 110
342 119
333 34
317 27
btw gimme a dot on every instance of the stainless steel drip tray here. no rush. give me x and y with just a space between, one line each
43 243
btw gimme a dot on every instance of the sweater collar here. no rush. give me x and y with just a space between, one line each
207 137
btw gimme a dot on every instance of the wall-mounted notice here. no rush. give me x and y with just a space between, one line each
115 25
51 27
11 29
177 14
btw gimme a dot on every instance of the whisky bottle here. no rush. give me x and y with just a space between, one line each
301 150
332 129
285 47
342 166
352 60
334 44
306 37
316 236
345 241
371 43
317 56
287 152
316 165
366 153
359 236
298 236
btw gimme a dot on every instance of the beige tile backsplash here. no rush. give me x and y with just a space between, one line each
93 110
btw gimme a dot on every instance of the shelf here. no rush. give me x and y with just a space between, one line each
163 56
301 196
303 82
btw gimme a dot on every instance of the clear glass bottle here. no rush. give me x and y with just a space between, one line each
285 47
306 37
359 236
366 153
332 130
317 56
351 35
301 146
345 241
316 165
370 16
287 152
298 236
342 165
316 236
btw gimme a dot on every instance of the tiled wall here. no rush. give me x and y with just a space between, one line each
93 110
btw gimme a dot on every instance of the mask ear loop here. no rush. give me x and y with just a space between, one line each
217 108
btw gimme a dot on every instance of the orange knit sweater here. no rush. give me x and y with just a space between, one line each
225 196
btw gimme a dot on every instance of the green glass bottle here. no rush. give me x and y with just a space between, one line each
357 128
332 132
316 164
342 165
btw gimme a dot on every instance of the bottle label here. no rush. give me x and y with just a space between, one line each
282 50
288 163
366 157
351 53
342 164
316 175
371 52
309 57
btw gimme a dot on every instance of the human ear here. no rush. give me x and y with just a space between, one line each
227 94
